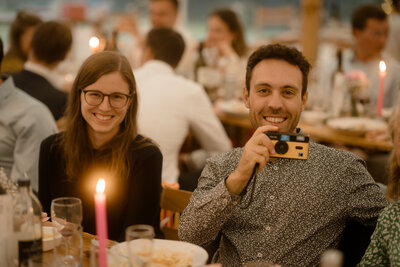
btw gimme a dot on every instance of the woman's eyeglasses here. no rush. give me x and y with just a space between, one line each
95 98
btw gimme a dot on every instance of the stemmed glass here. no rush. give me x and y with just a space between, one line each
66 215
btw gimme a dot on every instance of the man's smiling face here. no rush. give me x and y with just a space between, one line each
274 96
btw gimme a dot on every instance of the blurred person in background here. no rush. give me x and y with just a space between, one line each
101 140
50 44
370 28
393 42
225 32
225 50
385 241
24 123
164 13
21 33
172 106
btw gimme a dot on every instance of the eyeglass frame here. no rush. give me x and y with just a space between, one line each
102 99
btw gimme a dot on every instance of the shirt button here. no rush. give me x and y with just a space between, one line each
267 228
276 168
272 197
259 255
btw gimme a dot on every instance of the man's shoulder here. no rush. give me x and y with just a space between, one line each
27 81
25 102
230 156
324 154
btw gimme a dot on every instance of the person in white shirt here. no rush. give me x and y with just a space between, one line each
24 123
170 105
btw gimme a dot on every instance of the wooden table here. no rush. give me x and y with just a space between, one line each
320 133
87 238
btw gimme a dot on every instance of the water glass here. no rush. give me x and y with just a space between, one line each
68 251
140 244
66 215
115 257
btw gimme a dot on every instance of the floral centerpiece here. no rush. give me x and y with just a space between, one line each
6 184
356 83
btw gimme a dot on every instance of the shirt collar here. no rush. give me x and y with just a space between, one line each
158 66
46 73
6 87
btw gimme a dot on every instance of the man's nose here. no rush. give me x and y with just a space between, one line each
275 100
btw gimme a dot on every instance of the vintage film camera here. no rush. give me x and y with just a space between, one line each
289 145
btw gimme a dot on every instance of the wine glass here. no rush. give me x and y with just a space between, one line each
66 215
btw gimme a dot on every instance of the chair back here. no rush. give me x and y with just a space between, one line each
173 202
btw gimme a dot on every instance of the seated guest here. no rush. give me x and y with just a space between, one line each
370 29
224 49
50 45
171 105
21 33
292 210
385 243
225 32
162 14
24 123
101 140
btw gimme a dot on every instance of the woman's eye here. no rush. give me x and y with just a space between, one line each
94 94
117 97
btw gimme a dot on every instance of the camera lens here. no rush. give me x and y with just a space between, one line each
281 147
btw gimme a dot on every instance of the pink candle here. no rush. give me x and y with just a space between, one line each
101 221
382 74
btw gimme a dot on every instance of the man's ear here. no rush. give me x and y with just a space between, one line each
246 96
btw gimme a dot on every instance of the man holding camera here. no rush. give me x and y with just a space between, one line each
273 209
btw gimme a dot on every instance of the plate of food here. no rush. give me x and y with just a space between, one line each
234 107
168 253
356 125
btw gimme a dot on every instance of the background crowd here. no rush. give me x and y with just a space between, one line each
144 111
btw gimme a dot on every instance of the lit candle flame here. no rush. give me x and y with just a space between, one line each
94 42
101 185
382 66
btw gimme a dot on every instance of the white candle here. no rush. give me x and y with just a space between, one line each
382 75
101 221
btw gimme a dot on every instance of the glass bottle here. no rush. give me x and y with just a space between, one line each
338 87
26 238
200 63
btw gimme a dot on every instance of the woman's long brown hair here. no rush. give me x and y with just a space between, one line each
232 21
78 150
393 189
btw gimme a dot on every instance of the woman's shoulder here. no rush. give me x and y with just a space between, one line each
52 140
391 212
144 147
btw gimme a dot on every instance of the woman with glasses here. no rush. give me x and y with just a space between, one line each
101 141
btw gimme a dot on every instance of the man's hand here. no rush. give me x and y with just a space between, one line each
256 150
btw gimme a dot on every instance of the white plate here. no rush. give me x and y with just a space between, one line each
169 253
233 107
47 238
356 125
313 116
